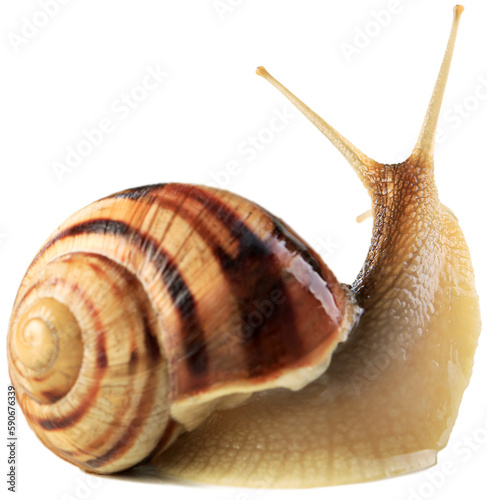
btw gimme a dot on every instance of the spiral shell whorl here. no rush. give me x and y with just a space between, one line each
86 363
48 350
187 299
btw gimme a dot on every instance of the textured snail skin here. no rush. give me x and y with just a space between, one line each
390 397
160 287
389 400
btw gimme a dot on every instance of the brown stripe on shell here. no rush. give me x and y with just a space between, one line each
253 272
150 338
149 391
65 421
248 263
119 448
294 244
131 433
139 192
181 296
132 428
170 433
52 397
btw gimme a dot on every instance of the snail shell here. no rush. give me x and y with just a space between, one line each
154 308
149 309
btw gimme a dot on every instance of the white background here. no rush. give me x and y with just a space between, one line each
69 75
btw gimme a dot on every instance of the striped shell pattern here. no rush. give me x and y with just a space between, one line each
171 301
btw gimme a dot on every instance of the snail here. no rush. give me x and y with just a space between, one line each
187 326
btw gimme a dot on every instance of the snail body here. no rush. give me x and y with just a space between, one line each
190 326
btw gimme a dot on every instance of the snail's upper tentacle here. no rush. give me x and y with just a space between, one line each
424 149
